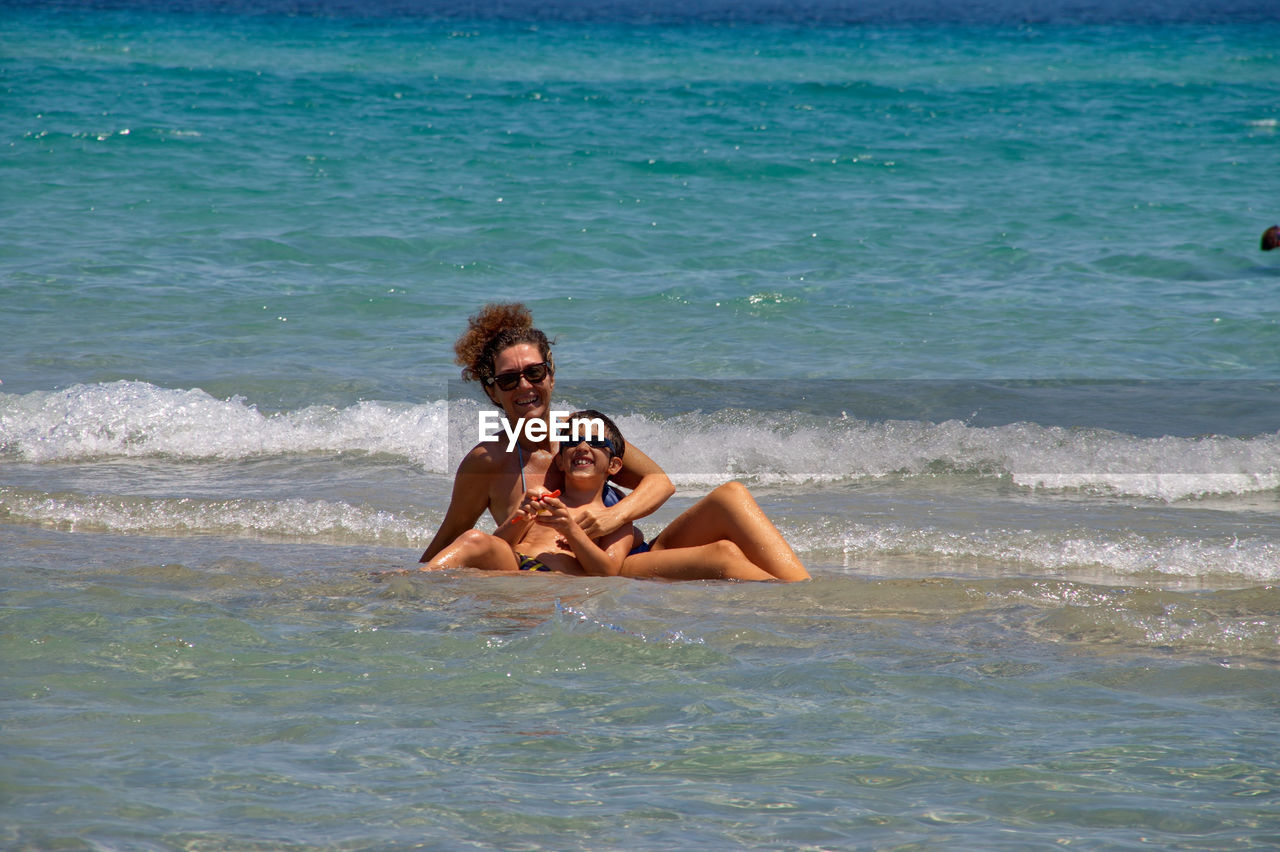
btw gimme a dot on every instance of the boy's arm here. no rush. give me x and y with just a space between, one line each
514 528
650 488
598 557
602 558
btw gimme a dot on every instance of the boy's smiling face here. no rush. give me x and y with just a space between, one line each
583 461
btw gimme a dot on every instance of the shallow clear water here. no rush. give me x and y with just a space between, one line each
220 700
972 300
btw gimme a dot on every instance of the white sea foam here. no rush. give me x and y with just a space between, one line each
1069 553
1114 553
136 419
313 520
88 423
698 451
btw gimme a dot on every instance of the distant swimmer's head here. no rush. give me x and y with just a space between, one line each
1271 238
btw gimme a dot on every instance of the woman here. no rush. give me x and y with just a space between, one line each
512 361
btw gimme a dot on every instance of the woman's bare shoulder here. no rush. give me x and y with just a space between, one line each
487 457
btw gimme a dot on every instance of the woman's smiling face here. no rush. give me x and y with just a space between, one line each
526 399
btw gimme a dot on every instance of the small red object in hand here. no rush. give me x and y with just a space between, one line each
542 510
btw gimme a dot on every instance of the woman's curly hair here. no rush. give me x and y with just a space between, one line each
495 327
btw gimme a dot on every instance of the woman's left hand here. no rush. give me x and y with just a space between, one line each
598 523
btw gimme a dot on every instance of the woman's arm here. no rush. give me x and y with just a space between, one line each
650 488
469 500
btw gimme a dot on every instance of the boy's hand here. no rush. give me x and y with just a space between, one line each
552 513
532 505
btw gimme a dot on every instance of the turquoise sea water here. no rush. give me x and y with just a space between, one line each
971 297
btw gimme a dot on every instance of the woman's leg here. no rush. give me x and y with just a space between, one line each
475 549
720 560
730 513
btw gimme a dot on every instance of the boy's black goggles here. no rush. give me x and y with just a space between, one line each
594 443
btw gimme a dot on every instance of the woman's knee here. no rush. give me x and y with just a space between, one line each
732 495
725 552
473 538
733 489
474 542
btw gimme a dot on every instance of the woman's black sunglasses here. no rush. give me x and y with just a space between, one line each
534 373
